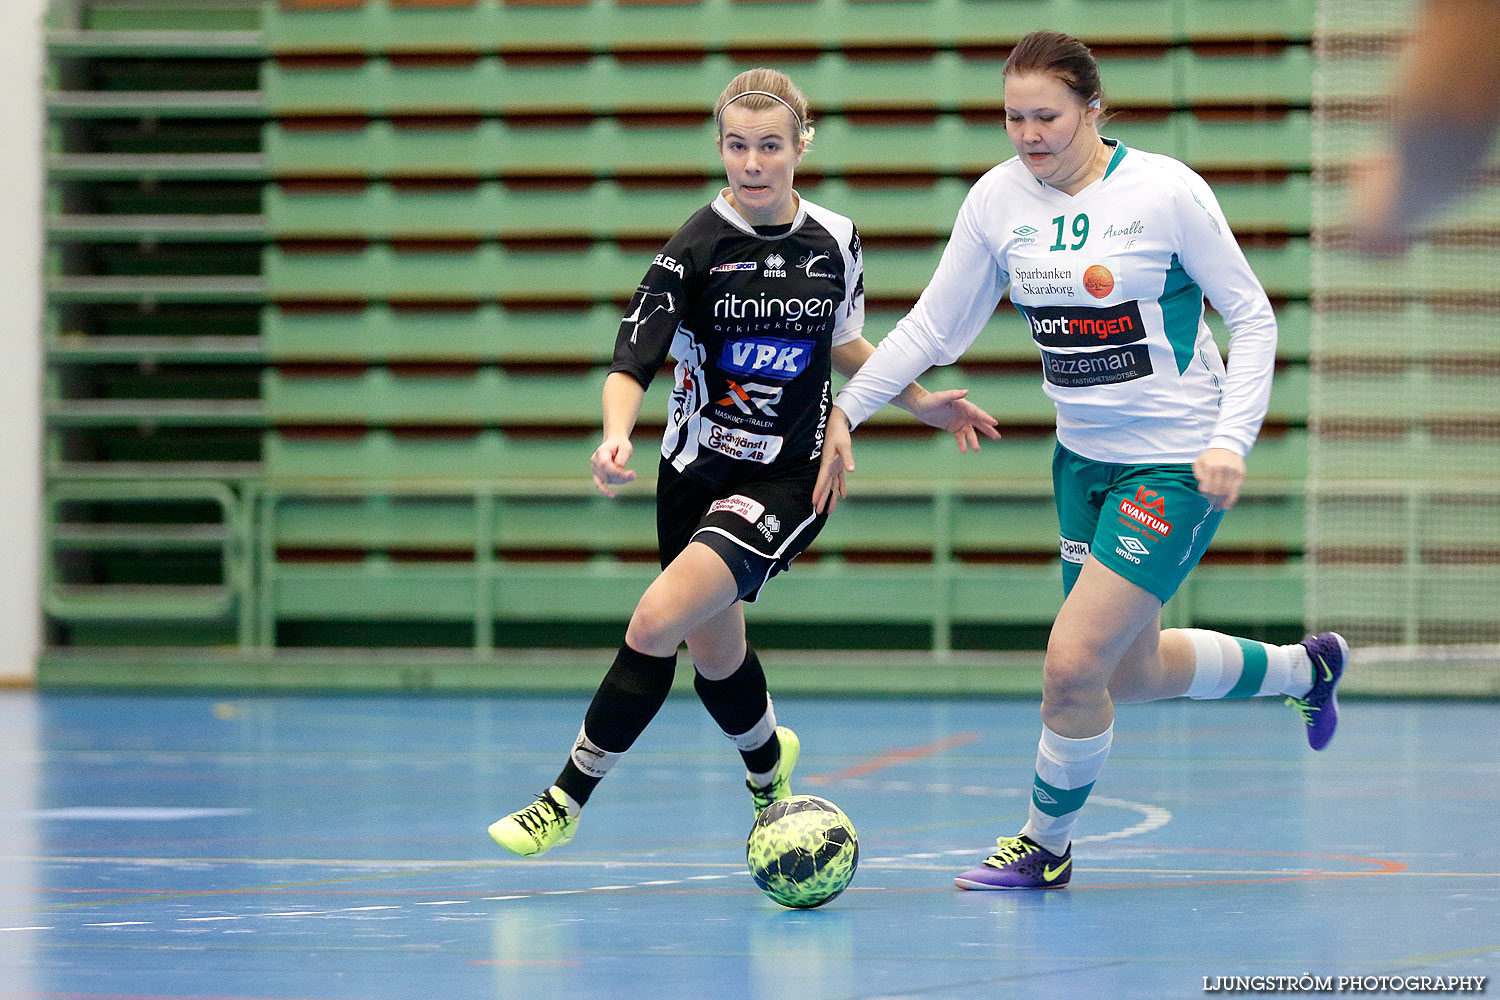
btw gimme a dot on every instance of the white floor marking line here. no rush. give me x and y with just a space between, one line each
1152 818
115 814
1155 818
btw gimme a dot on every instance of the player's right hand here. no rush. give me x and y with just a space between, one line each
609 465
838 459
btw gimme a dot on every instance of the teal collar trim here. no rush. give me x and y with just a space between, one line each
1114 161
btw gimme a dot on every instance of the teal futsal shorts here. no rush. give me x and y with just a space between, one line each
1148 523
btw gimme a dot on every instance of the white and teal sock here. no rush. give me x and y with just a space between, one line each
1065 772
1226 666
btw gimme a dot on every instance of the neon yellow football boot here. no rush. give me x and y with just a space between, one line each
781 785
538 828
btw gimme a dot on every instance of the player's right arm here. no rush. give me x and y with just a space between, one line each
956 304
641 346
622 407
953 308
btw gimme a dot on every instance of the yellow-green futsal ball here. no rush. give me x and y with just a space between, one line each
802 851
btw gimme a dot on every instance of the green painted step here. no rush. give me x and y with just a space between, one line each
711 24
602 146
159 43
490 396
835 82
379 455
605 209
492 333
466 273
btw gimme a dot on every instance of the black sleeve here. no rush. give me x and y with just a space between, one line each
658 306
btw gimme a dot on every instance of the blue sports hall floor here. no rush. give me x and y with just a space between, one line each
334 848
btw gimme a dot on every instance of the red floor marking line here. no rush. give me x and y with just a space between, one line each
895 757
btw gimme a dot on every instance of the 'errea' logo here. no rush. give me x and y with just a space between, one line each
767 357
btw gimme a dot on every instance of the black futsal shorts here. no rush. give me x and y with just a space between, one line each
757 528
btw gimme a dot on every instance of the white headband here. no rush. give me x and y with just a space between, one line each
764 93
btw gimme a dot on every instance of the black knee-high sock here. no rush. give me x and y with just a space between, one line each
739 703
628 698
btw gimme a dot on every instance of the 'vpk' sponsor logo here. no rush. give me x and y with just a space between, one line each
767 357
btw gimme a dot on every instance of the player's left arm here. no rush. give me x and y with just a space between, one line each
947 410
1213 259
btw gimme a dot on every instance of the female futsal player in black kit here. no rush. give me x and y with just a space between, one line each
758 297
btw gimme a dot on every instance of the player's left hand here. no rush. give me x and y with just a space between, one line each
953 413
1220 474
837 462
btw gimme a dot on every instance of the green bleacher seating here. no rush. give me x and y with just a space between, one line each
490 332
943 143
490 397
490 209
464 273
383 455
333 288
1252 75
196 104
233 16
156 166
177 228
711 24
977 523
1266 20
604 84
139 520
86 289
149 43
485 332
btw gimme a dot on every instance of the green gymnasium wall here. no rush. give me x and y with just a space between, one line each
332 287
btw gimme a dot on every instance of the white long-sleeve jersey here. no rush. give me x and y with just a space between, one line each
1112 282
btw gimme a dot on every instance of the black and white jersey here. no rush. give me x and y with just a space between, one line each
750 320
